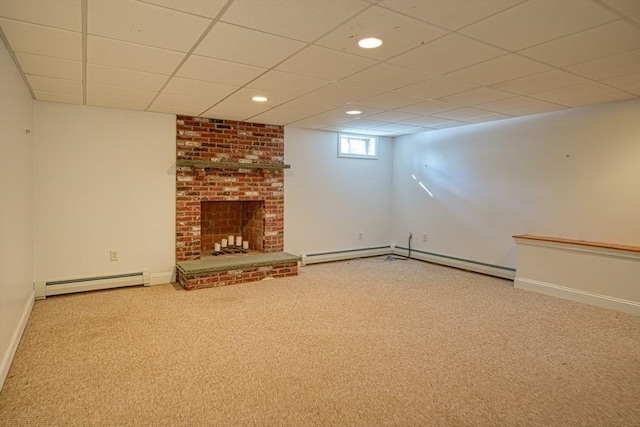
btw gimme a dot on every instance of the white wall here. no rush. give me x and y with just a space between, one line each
16 208
572 174
329 200
105 180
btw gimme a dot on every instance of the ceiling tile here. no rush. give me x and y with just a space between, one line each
425 121
319 121
343 93
635 18
137 99
39 40
180 101
569 95
64 14
452 14
463 113
208 9
248 47
122 105
222 116
367 111
244 95
124 78
144 24
600 99
280 115
184 111
489 118
361 124
513 104
547 80
629 83
213 92
390 101
218 71
58 97
626 7
609 67
312 105
302 20
398 128
507 67
278 81
50 67
131 56
447 54
436 88
49 84
476 96
447 125
429 107
609 39
398 33
385 77
313 61
237 108
537 109
392 116
538 21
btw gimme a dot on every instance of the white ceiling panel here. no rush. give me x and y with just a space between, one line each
343 93
386 77
513 104
447 125
609 67
447 54
39 40
500 69
629 83
635 18
541 82
208 8
392 116
452 14
463 113
476 96
436 88
145 24
312 105
50 67
280 115
361 124
64 14
213 92
625 7
175 109
50 84
302 20
250 47
398 128
398 33
609 97
489 118
58 97
312 62
429 107
390 101
119 54
569 95
609 39
120 77
182 102
546 107
426 121
244 95
123 96
278 81
218 71
127 104
239 108
538 21
367 111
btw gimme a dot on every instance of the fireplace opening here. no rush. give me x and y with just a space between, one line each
221 219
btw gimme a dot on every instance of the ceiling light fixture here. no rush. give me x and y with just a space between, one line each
354 112
370 43
260 99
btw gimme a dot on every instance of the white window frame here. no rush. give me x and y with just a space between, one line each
369 140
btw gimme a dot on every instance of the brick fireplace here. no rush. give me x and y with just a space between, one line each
229 181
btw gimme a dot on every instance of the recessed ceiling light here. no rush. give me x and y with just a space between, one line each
370 43
260 99
354 112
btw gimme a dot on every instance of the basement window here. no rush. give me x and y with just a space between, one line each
357 146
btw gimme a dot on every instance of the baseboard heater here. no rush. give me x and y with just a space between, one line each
461 263
44 289
344 254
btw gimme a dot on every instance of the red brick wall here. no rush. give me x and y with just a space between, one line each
227 141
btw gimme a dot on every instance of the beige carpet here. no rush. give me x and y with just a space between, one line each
358 343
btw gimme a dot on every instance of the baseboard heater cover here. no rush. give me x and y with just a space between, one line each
344 254
44 289
464 264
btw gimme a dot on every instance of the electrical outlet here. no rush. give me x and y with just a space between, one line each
360 235
113 255
424 237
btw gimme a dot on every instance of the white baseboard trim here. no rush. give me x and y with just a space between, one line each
7 357
625 306
162 278
344 255
458 263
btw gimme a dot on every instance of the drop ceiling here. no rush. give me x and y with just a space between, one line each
443 63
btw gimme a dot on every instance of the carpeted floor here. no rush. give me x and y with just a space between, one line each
357 343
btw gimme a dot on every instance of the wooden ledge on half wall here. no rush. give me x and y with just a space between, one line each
578 242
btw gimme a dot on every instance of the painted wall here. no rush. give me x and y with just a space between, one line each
572 174
16 207
329 200
105 180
